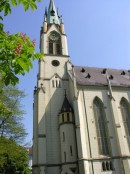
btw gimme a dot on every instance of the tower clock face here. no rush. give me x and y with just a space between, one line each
54 36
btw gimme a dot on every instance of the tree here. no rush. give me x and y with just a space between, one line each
16 55
11 114
17 51
13 158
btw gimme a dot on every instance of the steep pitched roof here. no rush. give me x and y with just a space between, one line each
66 107
97 76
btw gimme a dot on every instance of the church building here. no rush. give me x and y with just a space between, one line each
81 122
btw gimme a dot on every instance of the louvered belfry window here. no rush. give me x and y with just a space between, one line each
55 43
101 129
125 109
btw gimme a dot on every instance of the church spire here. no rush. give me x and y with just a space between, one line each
52 16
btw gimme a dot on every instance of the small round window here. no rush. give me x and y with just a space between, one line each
55 63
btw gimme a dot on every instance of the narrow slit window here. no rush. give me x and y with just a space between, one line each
63 118
63 137
56 83
65 156
103 166
53 84
58 48
71 151
51 48
59 84
108 165
111 166
68 117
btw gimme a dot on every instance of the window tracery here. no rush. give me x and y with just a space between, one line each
125 109
55 43
101 128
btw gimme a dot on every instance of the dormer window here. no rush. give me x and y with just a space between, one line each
55 43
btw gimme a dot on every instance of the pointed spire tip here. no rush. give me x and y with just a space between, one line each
52 15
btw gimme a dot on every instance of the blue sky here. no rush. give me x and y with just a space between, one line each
98 33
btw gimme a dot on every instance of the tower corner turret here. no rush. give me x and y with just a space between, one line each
62 27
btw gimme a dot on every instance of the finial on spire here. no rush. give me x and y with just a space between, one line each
62 26
46 12
62 21
58 13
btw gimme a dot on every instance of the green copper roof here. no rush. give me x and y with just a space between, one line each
52 16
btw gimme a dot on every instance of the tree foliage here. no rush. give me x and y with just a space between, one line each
5 5
11 113
17 51
16 55
13 158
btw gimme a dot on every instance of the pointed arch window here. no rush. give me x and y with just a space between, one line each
55 43
101 129
125 109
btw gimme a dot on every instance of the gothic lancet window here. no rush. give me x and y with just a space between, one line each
51 47
55 43
101 128
125 109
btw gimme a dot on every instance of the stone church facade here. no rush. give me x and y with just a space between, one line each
81 114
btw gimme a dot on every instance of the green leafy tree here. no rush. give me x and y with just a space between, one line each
13 158
11 113
17 51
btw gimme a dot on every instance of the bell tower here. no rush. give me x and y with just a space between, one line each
52 81
53 37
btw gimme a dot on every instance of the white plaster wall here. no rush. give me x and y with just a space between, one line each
49 70
53 107
69 132
118 95
53 102
83 119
